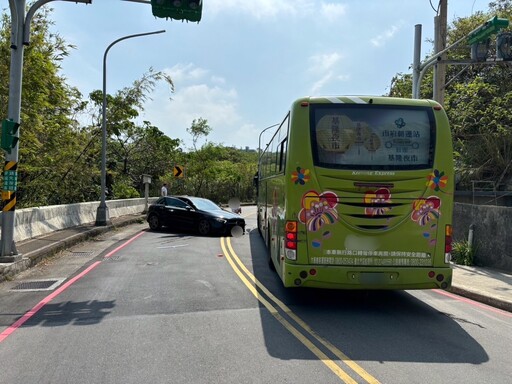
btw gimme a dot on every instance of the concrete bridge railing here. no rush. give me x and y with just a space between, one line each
37 221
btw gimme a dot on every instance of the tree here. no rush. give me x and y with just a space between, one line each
49 137
133 148
220 173
197 129
476 104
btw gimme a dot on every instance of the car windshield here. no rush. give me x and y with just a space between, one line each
205 204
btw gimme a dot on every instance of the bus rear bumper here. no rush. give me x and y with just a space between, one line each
350 277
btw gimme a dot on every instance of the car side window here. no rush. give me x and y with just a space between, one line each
173 202
161 201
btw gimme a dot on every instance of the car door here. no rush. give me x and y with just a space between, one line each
177 213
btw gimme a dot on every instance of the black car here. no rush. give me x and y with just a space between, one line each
192 213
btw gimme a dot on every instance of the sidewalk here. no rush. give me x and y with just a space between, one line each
485 285
36 249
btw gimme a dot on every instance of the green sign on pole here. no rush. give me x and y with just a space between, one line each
487 29
9 130
10 181
189 10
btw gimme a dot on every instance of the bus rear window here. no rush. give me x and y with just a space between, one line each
366 136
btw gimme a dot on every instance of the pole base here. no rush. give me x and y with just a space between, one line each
102 216
10 259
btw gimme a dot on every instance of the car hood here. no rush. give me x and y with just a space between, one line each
223 214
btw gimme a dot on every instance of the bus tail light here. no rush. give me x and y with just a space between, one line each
448 238
290 235
291 241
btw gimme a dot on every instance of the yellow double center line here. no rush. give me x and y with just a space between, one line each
273 303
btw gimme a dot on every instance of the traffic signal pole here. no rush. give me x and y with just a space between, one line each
476 35
419 69
20 33
9 252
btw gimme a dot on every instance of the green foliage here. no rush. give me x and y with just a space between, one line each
49 140
480 117
463 253
122 188
218 173
401 85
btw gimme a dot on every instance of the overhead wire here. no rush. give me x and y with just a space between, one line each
438 5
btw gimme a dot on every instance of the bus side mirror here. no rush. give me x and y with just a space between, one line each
255 180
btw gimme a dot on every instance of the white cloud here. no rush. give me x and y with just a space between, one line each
325 68
198 95
218 80
185 72
343 77
386 35
216 104
333 11
318 85
324 62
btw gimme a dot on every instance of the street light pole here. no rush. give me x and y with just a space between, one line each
102 215
259 139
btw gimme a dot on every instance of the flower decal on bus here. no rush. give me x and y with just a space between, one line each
300 176
437 180
318 209
426 210
380 196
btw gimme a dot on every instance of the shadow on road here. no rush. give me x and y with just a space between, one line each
365 325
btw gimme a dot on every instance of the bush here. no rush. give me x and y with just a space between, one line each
123 191
463 253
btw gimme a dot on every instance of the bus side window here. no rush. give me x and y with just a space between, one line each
282 155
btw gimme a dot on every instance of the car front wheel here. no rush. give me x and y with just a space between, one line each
154 222
204 227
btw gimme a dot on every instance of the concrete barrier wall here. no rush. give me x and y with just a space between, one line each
37 221
492 235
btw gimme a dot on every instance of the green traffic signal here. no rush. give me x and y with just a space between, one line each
189 10
487 29
9 130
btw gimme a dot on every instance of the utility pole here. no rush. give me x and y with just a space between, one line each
440 28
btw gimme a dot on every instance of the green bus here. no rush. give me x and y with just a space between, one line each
357 193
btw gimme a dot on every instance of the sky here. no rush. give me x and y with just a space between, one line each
246 61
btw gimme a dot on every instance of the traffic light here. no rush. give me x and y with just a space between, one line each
9 130
504 46
480 50
189 10
487 29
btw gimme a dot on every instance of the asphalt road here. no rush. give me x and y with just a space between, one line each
161 307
